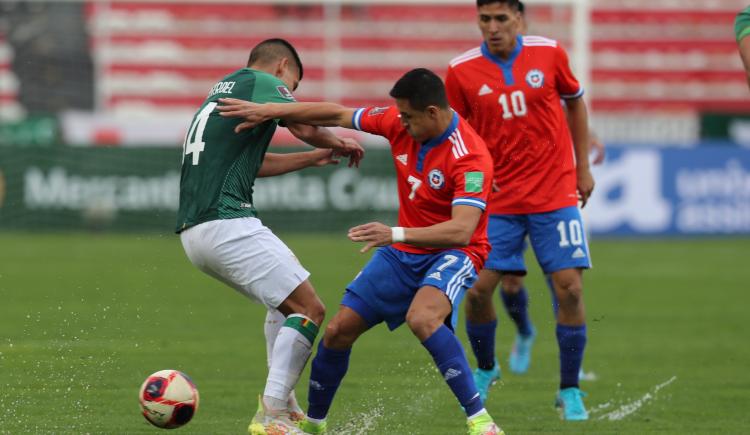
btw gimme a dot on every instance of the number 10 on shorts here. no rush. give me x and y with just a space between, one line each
571 233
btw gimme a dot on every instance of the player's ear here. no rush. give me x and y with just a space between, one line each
281 66
433 112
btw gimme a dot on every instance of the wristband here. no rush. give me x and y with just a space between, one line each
398 235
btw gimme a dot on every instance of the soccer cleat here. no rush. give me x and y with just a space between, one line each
266 422
570 404
484 379
313 428
296 414
520 355
482 424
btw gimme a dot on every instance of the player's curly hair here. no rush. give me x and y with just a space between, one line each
422 88
273 49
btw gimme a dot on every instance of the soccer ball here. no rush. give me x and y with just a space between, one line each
169 399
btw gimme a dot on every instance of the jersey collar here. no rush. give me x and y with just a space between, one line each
505 65
432 143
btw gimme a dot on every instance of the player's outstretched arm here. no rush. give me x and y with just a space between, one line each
579 123
278 164
453 233
323 114
321 137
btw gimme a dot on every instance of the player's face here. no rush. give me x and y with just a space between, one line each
419 124
500 25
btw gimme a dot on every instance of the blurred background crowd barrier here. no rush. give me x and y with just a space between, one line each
95 98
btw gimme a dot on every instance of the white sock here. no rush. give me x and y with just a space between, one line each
480 412
274 321
291 350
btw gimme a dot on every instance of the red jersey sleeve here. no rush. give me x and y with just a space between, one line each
472 178
383 121
567 84
455 94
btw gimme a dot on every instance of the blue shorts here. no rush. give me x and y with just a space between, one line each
385 288
557 237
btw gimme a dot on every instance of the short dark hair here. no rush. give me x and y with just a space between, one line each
513 4
422 88
521 7
273 49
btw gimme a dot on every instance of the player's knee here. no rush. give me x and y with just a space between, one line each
338 336
317 312
512 284
569 291
422 323
475 297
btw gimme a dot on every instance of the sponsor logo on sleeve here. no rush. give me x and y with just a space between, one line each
285 93
473 182
377 111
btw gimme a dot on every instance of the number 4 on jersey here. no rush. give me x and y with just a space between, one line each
194 140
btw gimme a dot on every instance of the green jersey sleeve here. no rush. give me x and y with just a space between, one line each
742 24
269 89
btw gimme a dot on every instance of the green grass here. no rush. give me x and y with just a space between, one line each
84 318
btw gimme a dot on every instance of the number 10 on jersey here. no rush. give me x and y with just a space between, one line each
194 140
515 107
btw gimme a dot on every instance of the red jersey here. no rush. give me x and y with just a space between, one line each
515 106
432 177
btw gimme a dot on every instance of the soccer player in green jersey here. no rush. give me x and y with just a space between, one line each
222 235
741 31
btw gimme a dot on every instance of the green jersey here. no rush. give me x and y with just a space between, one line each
742 24
219 166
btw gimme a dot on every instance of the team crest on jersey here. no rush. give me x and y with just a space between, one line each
436 178
284 92
535 78
377 111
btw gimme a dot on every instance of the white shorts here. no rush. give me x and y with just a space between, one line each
246 256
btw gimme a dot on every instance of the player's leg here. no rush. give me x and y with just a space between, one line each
274 320
303 312
331 363
506 234
516 301
432 316
560 246
359 311
248 257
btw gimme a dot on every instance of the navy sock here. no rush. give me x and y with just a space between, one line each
572 342
517 306
482 339
328 369
450 359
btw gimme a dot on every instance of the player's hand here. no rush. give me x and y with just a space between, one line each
585 184
597 147
352 149
374 233
323 157
252 113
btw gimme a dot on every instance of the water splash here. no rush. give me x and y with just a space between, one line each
632 407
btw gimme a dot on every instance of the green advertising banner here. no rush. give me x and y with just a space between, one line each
64 188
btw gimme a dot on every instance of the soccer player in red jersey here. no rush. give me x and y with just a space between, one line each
509 89
425 264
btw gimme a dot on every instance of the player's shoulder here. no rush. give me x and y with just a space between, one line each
466 143
466 56
538 41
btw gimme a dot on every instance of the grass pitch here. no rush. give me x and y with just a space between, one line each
84 318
